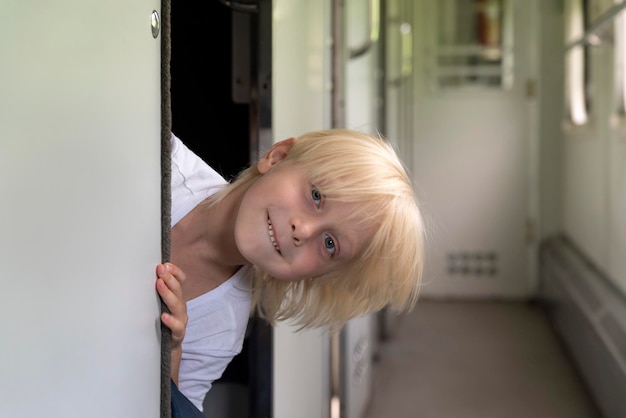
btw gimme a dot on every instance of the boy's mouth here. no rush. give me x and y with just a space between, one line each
270 232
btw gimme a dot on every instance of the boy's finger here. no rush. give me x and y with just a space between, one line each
172 284
171 299
175 271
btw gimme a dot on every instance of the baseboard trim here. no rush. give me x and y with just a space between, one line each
589 315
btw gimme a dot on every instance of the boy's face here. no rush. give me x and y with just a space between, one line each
287 228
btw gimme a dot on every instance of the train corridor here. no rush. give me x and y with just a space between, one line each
476 360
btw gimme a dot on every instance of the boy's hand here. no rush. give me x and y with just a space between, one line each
169 286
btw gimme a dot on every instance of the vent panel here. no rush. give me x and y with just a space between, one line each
473 263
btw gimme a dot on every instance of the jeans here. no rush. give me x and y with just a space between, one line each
182 407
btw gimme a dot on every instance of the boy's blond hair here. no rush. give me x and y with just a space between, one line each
350 166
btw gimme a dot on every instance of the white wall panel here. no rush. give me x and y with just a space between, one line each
362 100
301 103
594 194
80 209
301 67
585 198
586 168
361 72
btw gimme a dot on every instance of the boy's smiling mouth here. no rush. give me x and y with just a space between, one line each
270 232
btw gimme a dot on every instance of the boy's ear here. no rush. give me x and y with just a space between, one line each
275 155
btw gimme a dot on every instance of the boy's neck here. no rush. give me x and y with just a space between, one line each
203 245
218 223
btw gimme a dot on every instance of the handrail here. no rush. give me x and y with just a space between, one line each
373 30
240 7
406 55
598 24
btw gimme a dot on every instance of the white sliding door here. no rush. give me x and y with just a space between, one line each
79 209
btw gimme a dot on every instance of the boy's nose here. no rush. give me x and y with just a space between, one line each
303 228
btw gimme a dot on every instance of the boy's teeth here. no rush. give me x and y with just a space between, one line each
270 231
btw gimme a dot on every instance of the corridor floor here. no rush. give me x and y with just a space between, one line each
476 360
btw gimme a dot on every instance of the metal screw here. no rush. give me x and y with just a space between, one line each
155 22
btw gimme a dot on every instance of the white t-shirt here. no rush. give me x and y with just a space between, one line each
217 319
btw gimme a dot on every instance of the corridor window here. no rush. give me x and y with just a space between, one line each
473 44
577 86
620 61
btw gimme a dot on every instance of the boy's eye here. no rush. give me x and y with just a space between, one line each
316 195
329 243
